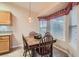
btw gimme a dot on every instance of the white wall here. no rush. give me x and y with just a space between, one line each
20 23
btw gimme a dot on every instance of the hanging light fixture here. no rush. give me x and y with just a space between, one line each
30 16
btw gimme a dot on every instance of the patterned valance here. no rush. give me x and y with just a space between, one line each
62 12
75 3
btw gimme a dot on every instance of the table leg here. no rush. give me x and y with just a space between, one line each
33 52
51 51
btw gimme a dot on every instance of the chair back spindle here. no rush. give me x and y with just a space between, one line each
45 45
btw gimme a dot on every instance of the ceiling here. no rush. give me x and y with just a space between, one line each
42 8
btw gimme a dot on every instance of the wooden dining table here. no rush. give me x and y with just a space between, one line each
33 43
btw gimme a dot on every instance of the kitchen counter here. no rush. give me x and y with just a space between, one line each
7 33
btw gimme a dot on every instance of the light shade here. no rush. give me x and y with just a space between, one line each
30 19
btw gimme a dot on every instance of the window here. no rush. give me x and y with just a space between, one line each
57 26
43 26
73 27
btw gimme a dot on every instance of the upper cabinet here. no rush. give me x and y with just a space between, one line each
5 18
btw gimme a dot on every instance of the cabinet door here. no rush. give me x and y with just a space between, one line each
5 18
4 44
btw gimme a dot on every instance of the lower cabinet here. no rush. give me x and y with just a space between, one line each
5 44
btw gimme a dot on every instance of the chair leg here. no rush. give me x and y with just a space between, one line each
30 54
25 53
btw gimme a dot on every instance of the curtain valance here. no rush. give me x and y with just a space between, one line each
62 12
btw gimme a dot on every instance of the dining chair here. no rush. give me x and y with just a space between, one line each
45 46
26 47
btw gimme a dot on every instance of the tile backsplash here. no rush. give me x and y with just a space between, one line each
5 29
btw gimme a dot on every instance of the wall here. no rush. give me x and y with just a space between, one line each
20 23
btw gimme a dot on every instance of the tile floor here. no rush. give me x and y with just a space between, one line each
18 52
58 53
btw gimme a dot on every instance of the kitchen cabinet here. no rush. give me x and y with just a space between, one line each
5 45
5 18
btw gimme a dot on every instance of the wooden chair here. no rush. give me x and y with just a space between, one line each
45 46
26 48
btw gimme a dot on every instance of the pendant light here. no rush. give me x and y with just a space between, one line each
30 16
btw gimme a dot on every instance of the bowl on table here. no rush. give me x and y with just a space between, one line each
38 36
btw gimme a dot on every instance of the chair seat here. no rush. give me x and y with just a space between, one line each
41 52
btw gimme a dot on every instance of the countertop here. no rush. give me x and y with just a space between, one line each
7 33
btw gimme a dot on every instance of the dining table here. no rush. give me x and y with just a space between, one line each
33 43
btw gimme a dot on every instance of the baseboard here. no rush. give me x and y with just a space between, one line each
63 50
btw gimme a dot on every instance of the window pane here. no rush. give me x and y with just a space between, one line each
73 32
73 17
43 26
73 27
43 23
57 27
